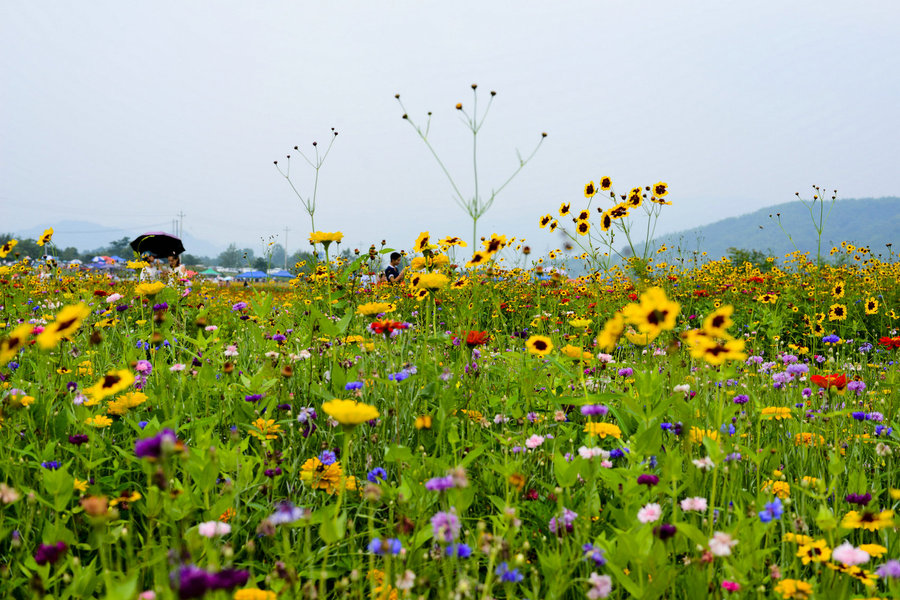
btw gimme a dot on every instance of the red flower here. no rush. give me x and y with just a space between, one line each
890 343
476 338
828 381
387 327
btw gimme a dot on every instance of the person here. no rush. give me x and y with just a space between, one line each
151 271
392 273
176 269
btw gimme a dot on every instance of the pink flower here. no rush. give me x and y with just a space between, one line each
721 544
601 586
849 555
211 529
697 503
534 441
731 586
231 350
176 367
650 513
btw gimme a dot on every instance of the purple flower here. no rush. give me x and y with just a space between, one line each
239 306
741 399
354 385
831 339
771 511
50 465
327 457
49 554
439 484
626 372
860 499
856 386
590 410
445 526
647 479
594 553
388 546
806 392
567 521
286 512
253 397
144 367
78 439
154 447
890 569
665 531
160 306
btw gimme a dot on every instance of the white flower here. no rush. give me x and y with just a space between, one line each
304 354
601 586
704 464
882 449
683 388
720 544
113 298
406 581
534 442
211 529
849 555
231 350
650 513
176 367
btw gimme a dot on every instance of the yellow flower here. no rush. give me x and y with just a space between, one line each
80 485
67 321
655 313
478 258
794 589
639 339
540 345
545 220
325 238
565 208
612 331
871 306
797 538
149 288
448 241
868 520
580 322
100 421
817 551
431 281
603 430
660 189
576 353
6 248
11 345
589 190
126 402
837 312
374 308
350 413
45 237
718 321
423 422
696 434
254 594
874 550
778 413
266 429
495 244
422 244
111 383
582 227
782 489
321 476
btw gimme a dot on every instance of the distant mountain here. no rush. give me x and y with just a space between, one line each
871 222
87 236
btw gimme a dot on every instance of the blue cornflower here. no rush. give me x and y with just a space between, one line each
354 385
459 550
508 575
327 457
376 474
831 339
51 465
388 546
594 553
772 510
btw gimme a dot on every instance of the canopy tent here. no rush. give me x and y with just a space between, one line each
212 272
252 275
281 273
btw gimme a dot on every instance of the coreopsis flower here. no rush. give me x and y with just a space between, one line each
7 247
611 332
717 323
66 322
871 520
660 189
45 237
539 344
815 551
654 312
10 346
478 258
349 413
582 227
589 191
837 312
110 384
430 281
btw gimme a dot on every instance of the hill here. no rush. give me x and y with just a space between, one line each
871 222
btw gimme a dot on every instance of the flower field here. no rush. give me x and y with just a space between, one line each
693 428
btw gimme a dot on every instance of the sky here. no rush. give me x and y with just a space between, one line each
128 113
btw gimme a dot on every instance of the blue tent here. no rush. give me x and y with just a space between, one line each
281 273
252 275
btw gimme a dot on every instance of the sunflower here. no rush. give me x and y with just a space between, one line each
539 344
837 312
545 220
110 384
605 183
7 248
872 521
565 208
817 551
590 190
11 345
45 237
67 321
655 313
660 189
871 306
350 413
583 227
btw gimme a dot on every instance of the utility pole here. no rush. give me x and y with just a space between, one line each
285 247
180 223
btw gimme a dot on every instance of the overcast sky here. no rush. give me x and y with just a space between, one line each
125 113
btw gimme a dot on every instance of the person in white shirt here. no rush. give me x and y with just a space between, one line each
151 271
176 269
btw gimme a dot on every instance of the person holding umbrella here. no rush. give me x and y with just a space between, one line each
151 271
176 269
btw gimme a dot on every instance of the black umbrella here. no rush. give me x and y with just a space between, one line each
158 243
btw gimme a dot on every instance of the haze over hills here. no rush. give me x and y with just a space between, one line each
871 222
